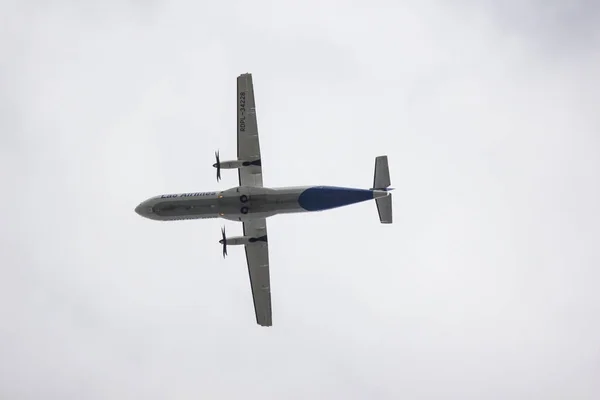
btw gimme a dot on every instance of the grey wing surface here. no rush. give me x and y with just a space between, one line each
257 257
248 146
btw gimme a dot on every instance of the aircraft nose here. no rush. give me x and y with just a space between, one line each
144 209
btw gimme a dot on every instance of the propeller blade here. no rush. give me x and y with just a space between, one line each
218 165
224 241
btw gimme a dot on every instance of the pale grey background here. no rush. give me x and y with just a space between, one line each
484 288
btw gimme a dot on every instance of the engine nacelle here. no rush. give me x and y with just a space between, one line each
243 240
235 164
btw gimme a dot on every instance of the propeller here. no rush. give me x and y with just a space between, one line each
223 241
217 165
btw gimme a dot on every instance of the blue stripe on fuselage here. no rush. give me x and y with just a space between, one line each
325 197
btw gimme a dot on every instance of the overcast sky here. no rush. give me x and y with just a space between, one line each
485 286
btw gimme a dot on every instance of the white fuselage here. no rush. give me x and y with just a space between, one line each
243 203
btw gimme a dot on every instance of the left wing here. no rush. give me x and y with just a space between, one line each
248 146
257 257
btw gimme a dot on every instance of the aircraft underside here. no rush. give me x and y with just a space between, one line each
245 203
251 203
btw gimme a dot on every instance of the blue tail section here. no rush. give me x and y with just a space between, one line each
326 197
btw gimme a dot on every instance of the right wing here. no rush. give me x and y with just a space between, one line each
248 146
257 257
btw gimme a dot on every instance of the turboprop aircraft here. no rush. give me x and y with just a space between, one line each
251 203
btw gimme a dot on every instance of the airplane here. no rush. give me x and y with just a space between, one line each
251 203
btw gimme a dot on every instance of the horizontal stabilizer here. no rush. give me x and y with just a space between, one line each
381 180
384 208
381 183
